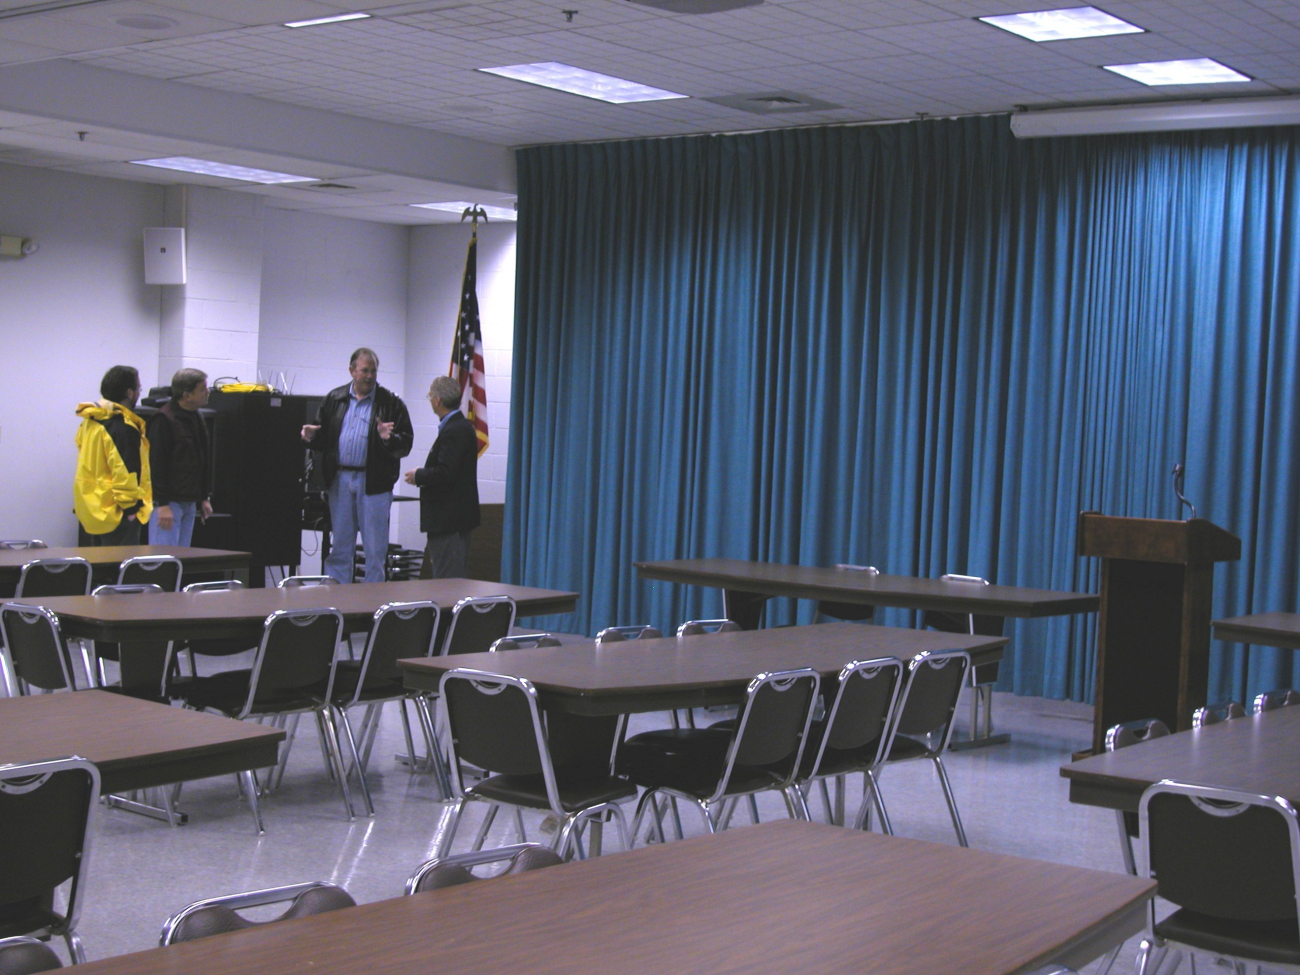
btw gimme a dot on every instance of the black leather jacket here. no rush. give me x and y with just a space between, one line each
382 456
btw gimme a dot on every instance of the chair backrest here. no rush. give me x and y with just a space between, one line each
477 622
224 647
142 664
220 585
18 544
773 725
218 915
496 724
969 623
700 627
526 641
26 956
298 650
451 871
934 683
1272 700
1129 733
400 630
36 648
54 577
1222 853
617 634
1215 713
300 582
163 571
862 716
47 810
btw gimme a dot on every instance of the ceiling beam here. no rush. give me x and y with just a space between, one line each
74 92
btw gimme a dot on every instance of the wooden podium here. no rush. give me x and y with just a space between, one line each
1153 634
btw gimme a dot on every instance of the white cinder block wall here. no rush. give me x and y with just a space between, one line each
437 265
269 291
67 313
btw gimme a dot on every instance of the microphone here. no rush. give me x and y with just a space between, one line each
1178 488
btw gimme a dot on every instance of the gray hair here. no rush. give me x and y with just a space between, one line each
364 353
445 390
186 381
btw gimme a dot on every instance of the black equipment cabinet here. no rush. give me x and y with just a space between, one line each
259 477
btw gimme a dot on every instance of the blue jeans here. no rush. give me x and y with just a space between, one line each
182 530
351 509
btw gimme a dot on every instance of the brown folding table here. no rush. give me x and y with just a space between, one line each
778 898
1261 630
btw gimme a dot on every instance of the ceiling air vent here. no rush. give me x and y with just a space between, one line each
773 103
697 6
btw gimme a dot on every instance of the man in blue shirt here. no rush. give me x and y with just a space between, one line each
362 430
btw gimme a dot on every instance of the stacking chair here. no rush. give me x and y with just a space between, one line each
700 627
559 764
54 577
143 668
1272 700
218 915
711 767
300 582
853 612
1216 713
399 631
46 813
855 736
983 677
1229 861
221 647
477 622
925 718
35 653
293 673
163 571
1122 736
526 641
617 634
26 956
454 870
18 544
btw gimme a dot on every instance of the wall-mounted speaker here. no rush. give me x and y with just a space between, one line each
164 255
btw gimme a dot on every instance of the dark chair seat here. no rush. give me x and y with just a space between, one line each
688 760
346 676
228 691
530 791
904 748
137 693
1275 942
26 916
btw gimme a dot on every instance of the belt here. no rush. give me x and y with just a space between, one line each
345 467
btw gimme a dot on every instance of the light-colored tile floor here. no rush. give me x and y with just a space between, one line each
1011 797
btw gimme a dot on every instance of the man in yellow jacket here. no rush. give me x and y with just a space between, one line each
112 493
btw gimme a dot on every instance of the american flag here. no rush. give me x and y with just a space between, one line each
467 353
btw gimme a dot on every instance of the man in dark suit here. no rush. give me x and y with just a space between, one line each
448 484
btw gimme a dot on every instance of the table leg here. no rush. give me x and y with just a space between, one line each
981 731
743 608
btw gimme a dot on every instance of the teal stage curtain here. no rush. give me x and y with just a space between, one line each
925 347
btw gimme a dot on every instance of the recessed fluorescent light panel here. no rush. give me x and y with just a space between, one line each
205 167
336 19
579 81
1197 71
1063 25
460 206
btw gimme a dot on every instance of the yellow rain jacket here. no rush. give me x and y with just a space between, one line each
103 488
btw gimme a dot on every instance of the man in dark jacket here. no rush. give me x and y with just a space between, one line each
448 484
362 431
178 454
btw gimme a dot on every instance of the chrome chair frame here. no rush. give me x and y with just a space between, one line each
1217 713
236 902
981 694
220 585
472 858
700 627
21 544
1272 700
305 582
569 822
151 563
935 756
14 684
526 641
32 943
90 658
479 604
870 790
1217 802
51 565
721 800
67 928
619 634
867 611
1123 735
